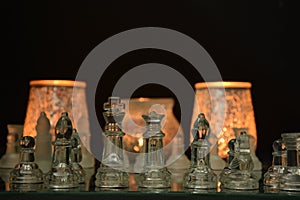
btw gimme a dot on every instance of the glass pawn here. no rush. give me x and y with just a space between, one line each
290 179
76 157
200 175
277 169
27 171
155 175
61 174
112 171
240 175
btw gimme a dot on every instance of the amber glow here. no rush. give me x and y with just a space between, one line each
225 84
62 83
54 97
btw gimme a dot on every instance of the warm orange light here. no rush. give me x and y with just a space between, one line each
141 142
224 84
54 97
60 83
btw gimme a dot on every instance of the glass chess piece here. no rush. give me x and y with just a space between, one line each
26 176
155 177
112 170
277 169
256 162
61 174
240 175
232 151
43 146
76 157
11 156
200 176
290 179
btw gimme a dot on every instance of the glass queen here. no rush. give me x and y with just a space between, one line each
155 175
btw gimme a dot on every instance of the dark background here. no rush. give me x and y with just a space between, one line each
248 40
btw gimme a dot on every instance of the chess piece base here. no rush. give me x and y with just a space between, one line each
240 180
200 178
107 177
155 178
26 173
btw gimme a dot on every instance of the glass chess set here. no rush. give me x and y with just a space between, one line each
42 165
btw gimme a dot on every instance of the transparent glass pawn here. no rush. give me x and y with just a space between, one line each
61 175
290 179
241 175
277 169
200 175
76 157
155 175
112 171
27 173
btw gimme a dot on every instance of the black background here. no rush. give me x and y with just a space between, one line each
248 40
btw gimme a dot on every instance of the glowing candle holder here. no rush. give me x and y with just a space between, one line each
55 97
239 115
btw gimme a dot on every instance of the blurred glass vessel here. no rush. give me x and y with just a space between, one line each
43 139
11 157
290 179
